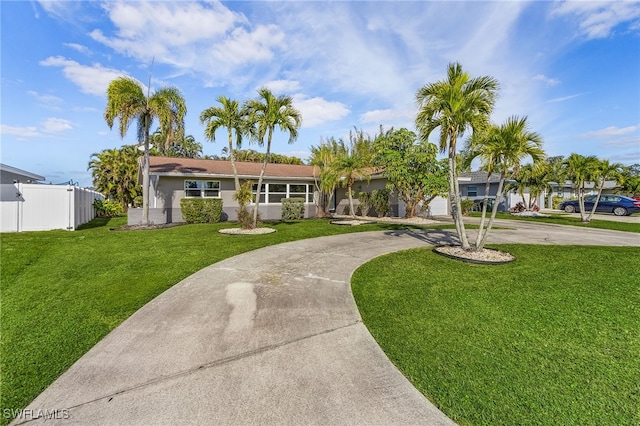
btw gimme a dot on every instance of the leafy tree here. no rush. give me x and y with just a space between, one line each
455 105
127 102
353 163
413 171
580 170
501 149
234 118
186 148
115 174
252 156
265 114
630 180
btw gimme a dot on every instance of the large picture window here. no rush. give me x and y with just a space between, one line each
202 188
273 193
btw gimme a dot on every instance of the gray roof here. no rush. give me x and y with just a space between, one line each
478 177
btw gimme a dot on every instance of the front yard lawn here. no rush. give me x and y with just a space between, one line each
62 292
551 338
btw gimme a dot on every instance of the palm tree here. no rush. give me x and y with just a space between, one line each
234 118
265 113
126 102
354 162
327 179
455 105
501 149
604 170
580 170
115 173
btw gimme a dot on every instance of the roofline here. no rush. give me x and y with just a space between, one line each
227 176
18 171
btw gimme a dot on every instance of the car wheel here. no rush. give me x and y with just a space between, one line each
620 211
569 208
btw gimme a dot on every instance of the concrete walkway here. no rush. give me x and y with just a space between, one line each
268 337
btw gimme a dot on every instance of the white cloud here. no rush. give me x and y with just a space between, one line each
205 38
612 132
282 86
21 132
56 125
79 47
563 98
548 80
597 19
317 110
92 80
47 101
386 116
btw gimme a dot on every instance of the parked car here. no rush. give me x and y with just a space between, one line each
616 204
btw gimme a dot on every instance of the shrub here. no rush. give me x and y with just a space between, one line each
466 205
201 210
108 208
364 198
380 201
292 208
555 201
244 196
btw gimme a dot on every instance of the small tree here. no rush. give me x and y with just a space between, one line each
380 201
244 196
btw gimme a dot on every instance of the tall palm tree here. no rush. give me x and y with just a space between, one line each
581 169
127 102
455 105
234 118
265 114
603 171
501 149
355 162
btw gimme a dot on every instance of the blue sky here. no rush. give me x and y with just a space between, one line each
573 68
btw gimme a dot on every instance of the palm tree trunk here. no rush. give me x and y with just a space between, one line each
232 157
352 211
494 211
145 175
480 236
595 205
454 195
262 170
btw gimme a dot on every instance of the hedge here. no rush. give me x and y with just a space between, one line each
292 208
201 210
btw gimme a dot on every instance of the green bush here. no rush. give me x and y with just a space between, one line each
201 210
364 198
466 205
380 201
108 208
244 196
292 208
556 200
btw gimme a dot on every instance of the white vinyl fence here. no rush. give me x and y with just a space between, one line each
34 207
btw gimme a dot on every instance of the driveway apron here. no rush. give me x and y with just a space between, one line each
272 336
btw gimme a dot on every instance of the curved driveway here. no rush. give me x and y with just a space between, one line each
267 337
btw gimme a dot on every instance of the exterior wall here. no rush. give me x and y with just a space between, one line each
167 191
34 207
342 200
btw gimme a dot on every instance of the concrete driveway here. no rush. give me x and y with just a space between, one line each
268 337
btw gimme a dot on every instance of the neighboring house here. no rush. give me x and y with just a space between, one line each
172 179
10 175
473 187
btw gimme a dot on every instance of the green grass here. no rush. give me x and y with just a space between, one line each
62 292
551 338
562 219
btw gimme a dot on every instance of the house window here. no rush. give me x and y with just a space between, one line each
202 188
273 193
472 191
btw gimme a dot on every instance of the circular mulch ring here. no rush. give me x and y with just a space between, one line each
484 257
350 222
240 231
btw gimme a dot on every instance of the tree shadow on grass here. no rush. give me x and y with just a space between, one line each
434 237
